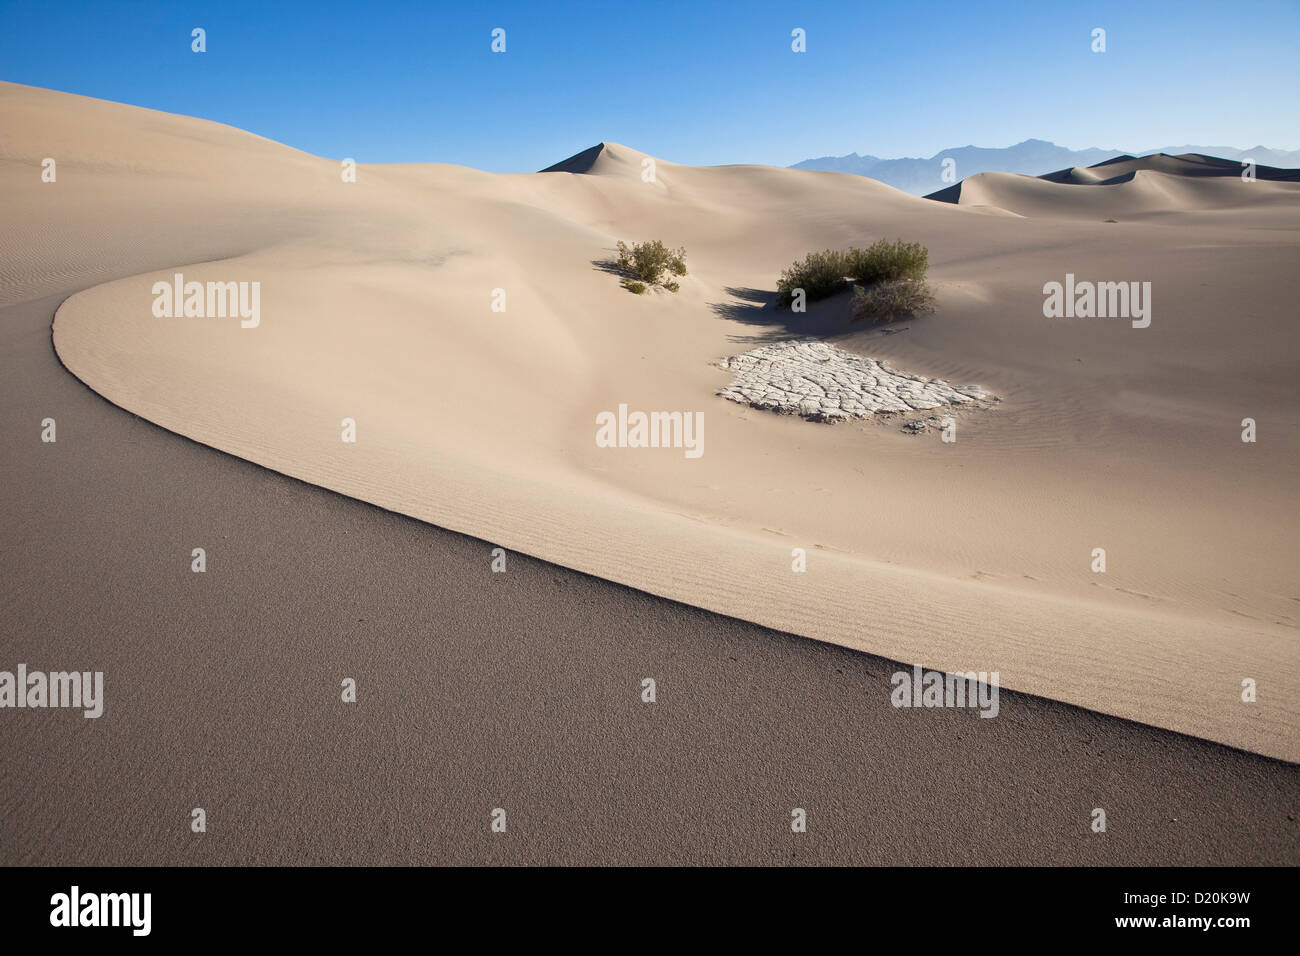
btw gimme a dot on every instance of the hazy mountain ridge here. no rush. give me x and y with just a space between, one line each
1033 157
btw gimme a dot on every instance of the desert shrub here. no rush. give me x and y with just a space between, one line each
885 261
819 274
634 286
892 299
671 285
648 261
822 274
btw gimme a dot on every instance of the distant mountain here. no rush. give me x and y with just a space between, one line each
1033 157
852 163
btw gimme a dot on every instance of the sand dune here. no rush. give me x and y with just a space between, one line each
376 305
1194 165
479 690
1127 188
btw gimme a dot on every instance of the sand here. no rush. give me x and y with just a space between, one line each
975 555
1155 188
479 690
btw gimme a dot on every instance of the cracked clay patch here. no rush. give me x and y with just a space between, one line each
824 383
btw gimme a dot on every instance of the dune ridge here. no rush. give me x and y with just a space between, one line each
1130 188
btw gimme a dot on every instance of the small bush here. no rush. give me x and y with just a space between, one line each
885 261
648 261
671 285
822 274
634 286
819 274
892 299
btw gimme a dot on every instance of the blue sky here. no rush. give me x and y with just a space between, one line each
694 82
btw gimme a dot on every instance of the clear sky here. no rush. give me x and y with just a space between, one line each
695 82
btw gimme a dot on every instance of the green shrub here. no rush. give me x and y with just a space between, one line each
648 261
819 274
892 299
634 286
822 274
671 285
885 261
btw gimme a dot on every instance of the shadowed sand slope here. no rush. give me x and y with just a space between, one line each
583 162
376 305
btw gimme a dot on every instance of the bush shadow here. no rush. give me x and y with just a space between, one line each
758 308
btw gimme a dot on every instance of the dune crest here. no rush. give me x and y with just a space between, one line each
1128 188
